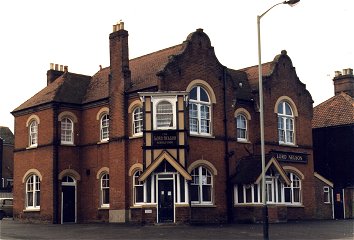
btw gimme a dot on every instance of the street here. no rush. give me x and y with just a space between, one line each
326 229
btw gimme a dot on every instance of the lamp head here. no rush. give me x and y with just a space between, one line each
291 2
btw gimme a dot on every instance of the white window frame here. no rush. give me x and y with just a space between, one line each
138 184
202 180
137 121
104 187
33 134
239 128
104 127
172 101
295 180
199 106
33 186
326 194
67 133
286 135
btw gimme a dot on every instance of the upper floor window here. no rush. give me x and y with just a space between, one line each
104 127
199 111
138 188
104 190
285 123
201 186
164 115
33 133
137 121
242 132
33 192
67 131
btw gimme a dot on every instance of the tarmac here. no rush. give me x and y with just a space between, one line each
325 229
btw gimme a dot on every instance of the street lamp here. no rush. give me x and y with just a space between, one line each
265 208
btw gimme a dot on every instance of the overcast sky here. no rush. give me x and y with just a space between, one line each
317 34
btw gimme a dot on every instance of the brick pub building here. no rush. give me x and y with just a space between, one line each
171 136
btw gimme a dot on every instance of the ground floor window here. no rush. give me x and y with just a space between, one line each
105 190
276 191
33 192
201 186
326 194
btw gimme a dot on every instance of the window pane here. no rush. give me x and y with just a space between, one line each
206 193
194 193
203 95
193 94
248 190
288 110
164 114
240 194
139 194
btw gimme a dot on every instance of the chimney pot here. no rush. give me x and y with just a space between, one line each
337 73
61 68
65 68
56 67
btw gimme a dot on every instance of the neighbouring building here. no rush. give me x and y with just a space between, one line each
171 136
6 159
333 135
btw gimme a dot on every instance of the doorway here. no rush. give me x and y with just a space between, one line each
165 201
68 202
338 203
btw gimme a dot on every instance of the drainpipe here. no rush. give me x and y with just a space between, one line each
55 164
227 154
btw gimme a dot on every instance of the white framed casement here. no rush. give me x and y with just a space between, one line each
67 131
326 194
200 112
164 112
286 124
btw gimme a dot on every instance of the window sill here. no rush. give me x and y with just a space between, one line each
103 142
136 136
103 208
32 147
243 141
287 144
68 144
203 205
144 205
201 135
32 210
181 204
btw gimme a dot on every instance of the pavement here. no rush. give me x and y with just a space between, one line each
325 229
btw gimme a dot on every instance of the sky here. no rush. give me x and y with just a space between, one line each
317 35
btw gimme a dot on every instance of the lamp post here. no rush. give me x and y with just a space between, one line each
264 200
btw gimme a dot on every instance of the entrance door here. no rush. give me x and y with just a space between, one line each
68 200
166 203
338 204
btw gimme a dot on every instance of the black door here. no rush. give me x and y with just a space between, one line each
68 204
338 204
165 198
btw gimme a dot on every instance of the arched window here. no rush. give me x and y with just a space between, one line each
33 192
33 133
104 127
285 123
137 121
164 115
242 128
199 111
138 188
67 131
201 186
104 190
292 192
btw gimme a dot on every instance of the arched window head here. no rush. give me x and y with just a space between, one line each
67 131
201 186
104 188
138 188
199 111
33 133
164 115
33 192
137 121
286 130
104 127
242 128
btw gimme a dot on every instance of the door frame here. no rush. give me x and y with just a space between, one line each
70 184
159 177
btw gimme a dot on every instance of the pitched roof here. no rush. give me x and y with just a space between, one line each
336 111
6 135
68 88
252 73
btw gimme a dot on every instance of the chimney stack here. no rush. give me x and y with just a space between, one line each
344 82
55 71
